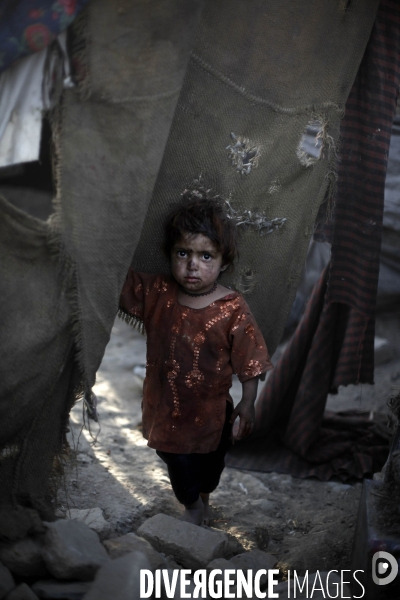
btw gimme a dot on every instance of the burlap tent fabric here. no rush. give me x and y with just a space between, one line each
334 342
258 119
61 278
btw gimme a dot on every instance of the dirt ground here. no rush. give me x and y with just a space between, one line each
306 524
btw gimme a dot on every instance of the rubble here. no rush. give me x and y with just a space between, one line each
6 581
72 550
220 563
22 592
191 546
255 560
61 590
130 542
93 518
24 558
119 579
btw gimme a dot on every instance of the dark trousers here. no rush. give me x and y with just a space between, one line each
191 474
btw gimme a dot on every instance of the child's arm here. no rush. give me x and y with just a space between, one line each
245 409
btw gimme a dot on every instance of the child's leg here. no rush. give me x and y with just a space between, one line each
213 464
185 476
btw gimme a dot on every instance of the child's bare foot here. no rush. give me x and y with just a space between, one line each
194 513
207 516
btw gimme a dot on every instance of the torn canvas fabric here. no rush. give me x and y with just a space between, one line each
258 123
61 279
333 344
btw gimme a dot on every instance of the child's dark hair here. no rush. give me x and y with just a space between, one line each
198 213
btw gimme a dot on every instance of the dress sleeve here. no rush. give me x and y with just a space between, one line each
249 353
131 301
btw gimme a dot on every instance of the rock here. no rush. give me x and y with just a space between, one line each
93 518
171 564
190 545
130 542
255 560
220 563
6 581
22 592
383 351
24 558
72 550
119 579
60 590
16 523
223 564
234 546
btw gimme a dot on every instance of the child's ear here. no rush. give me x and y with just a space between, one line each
223 268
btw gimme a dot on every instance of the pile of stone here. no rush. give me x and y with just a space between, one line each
66 560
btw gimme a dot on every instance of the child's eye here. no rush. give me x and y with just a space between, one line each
182 253
207 256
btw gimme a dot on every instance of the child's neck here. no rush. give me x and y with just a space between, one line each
202 301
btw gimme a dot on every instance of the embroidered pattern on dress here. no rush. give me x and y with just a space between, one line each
194 378
161 285
219 361
253 369
172 368
239 320
250 332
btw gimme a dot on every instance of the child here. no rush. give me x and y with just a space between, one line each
198 333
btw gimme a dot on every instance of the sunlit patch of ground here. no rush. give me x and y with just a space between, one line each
307 524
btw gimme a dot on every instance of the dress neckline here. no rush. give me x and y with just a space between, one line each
183 306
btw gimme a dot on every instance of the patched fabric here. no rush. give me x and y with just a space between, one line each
191 356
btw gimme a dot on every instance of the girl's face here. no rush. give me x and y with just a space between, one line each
196 263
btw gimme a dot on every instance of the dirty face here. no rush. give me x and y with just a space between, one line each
196 263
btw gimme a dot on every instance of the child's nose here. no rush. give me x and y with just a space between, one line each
192 264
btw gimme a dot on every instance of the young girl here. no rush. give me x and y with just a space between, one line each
198 333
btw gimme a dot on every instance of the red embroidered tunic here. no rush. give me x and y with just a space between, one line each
191 355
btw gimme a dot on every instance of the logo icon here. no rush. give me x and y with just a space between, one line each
384 568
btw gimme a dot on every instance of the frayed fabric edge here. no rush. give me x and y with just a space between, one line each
132 320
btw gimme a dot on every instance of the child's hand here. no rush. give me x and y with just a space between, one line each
246 413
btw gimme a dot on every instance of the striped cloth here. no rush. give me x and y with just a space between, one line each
334 342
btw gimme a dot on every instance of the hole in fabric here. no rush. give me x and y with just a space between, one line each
243 155
245 281
311 143
254 220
